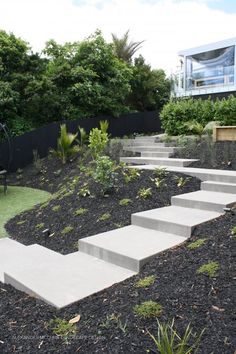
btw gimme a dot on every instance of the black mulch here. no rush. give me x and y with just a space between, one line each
27 227
108 324
220 155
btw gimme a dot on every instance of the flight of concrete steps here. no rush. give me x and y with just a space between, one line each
152 151
111 257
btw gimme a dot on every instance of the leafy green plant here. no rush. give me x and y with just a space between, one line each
83 137
56 208
104 173
67 230
160 172
210 269
104 125
114 319
104 217
62 328
21 222
195 127
65 149
148 309
97 142
37 162
168 341
159 182
81 211
84 191
196 244
125 202
233 231
39 226
144 193
145 282
130 174
181 181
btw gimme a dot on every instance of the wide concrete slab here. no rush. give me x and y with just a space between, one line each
203 174
155 154
157 161
205 200
60 283
219 187
173 219
131 246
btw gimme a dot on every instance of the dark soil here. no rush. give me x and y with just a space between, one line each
108 323
27 227
219 155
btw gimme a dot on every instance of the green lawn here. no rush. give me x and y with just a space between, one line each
17 200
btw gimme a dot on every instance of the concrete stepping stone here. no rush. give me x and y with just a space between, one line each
158 161
131 246
154 148
219 187
205 200
203 174
173 219
61 280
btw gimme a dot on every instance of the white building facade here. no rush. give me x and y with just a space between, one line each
207 70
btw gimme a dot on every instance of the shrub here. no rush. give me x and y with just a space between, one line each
105 174
125 201
67 230
130 174
148 309
65 150
104 217
97 141
81 211
144 193
176 114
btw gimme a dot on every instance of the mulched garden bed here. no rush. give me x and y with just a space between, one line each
220 155
60 213
108 323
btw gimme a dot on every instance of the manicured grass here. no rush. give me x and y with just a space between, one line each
17 200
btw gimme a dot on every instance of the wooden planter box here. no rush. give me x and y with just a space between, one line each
224 133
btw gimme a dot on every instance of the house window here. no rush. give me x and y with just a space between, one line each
210 69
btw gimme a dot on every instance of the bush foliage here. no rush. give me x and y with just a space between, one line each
176 114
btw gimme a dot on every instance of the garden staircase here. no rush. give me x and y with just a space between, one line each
113 256
152 151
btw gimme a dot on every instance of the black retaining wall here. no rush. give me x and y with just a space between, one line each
44 138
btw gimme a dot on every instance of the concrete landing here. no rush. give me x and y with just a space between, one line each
131 246
205 200
173 219
62 281
157 161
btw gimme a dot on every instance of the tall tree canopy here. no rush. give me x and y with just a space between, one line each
80 79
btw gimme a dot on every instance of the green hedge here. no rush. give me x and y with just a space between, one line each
175 114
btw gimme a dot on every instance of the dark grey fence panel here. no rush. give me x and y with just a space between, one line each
45 137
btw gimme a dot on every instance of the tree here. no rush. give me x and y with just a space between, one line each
124 49
150 88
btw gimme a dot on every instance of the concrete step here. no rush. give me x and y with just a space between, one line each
156 154
157 161
203 174
153 148
205 200
131 246
61 282
173 219
219 187
10 252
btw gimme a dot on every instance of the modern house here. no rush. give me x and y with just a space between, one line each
209 70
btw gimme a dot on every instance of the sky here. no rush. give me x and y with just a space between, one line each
167 26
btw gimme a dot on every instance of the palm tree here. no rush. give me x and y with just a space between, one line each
123 48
